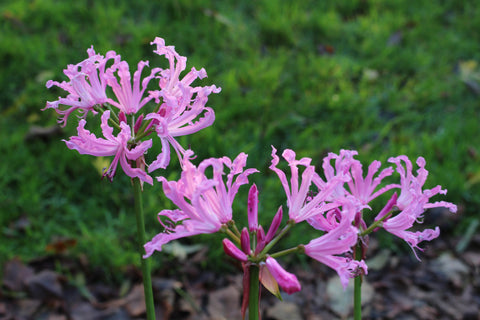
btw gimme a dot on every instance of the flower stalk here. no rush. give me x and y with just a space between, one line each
141 239
357 289
254 294
282 233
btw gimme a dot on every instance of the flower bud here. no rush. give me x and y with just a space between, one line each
286 280
274 226
138 123
245 241
122 117
233 251
253 208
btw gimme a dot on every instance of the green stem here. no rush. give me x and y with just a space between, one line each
357 289
112 113
233 236
146 269
284 231
254 296
114 122
298 249
374 225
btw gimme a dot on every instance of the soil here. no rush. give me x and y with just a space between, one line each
444 285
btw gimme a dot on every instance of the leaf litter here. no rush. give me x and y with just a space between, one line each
444 285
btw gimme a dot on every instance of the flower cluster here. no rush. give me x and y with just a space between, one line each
333 204
176 108
205 205
332 200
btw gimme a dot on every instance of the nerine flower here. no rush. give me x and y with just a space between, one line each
400 224
86 85
330 248
205 204
130 96
182 110
363 189
301 203
118 146
413 201
411 186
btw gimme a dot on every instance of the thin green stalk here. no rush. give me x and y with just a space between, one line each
357 289
114 122
284 231
298 249
254 294
233 236
146 269
374 225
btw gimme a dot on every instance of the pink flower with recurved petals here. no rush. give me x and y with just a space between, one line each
301 204
130 96
400 223
411 186
205 203
330 248
182 110
413 201
88 143
86 87
363 189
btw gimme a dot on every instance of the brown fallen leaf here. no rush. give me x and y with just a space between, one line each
135 301
225 303
45 285
61 245
15 273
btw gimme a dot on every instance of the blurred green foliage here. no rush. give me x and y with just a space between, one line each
383 77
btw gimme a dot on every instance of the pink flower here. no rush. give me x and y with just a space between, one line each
362 189
180 105
400 223
413 201
411 186
330 248
119 146
301 204
86 87
129 95
205 203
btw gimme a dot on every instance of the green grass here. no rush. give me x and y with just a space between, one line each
383 77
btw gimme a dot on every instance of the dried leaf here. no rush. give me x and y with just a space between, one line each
44 285
61 246
15 273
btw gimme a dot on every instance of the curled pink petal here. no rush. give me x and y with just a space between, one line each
301 203
86 85
117 146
